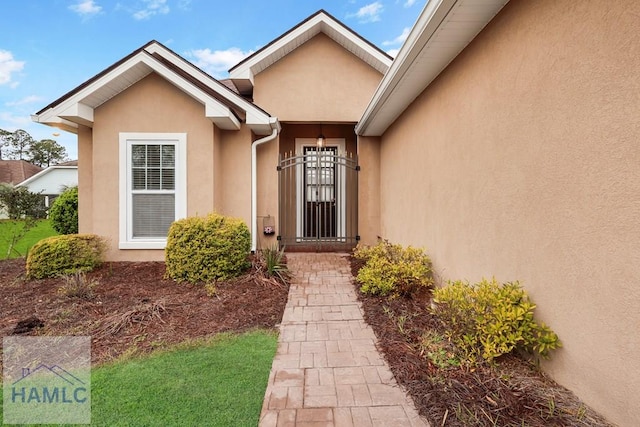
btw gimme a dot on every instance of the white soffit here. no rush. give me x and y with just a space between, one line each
244 72
77 108
442 31
258 120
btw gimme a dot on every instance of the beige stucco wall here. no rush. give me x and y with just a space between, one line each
522 161
320 81
369 189
151 105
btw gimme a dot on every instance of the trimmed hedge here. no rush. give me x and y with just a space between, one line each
65 254
64 212
207 249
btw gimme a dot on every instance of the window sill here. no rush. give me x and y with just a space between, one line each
143 244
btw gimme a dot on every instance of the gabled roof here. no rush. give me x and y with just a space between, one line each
223 107
47 171
16 171
443 29
244 72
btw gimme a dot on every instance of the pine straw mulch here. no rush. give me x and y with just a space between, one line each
513 393
134 309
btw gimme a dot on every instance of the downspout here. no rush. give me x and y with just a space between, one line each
254 182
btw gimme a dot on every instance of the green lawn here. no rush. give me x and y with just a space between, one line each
220 382
8 228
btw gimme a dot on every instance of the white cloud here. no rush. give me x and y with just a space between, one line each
11 122
151 8
368 13
398 40
184 4
393 52
24 101
8 66
86 8
217 62
409 3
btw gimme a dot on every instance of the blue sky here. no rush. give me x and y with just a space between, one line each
48 47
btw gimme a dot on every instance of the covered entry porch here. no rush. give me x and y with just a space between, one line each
318 187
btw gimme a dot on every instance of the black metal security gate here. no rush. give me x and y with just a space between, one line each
318 199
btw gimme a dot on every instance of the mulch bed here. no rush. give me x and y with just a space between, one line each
512 393
135 310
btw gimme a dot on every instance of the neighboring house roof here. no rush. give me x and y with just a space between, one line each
442 31
69 163
224 107
16 171
244 72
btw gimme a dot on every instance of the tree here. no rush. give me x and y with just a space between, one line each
4 142
46 152
18 143
23 208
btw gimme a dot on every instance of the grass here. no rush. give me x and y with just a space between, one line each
8 228
219 382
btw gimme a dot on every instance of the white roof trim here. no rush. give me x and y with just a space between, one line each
443 29
42 173
78 108
243 73
256 118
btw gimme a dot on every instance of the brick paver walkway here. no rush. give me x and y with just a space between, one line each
327 370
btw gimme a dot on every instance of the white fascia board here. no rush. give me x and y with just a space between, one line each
314 26
262 124
386 104
55 122
78 113
42 173
221 116
384 62
74 111
403 61
203 77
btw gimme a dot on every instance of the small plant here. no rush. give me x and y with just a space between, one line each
211 289
434 347
64 212
392 269
60 255
488 319
274 263
77 285
207 249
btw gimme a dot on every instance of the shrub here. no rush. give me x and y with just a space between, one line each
488 319
19 202
392 269
64 212
66 254
205 249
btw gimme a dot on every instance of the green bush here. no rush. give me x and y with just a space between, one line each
205 249
66 254
19 203
392 269
64 212
488 319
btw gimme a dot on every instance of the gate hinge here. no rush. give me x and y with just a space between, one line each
278 168
358 168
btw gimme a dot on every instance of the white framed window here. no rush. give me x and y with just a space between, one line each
153 187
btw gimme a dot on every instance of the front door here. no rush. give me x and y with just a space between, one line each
321 203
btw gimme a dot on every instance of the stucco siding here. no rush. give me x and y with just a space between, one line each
151 105
521 162
320 81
